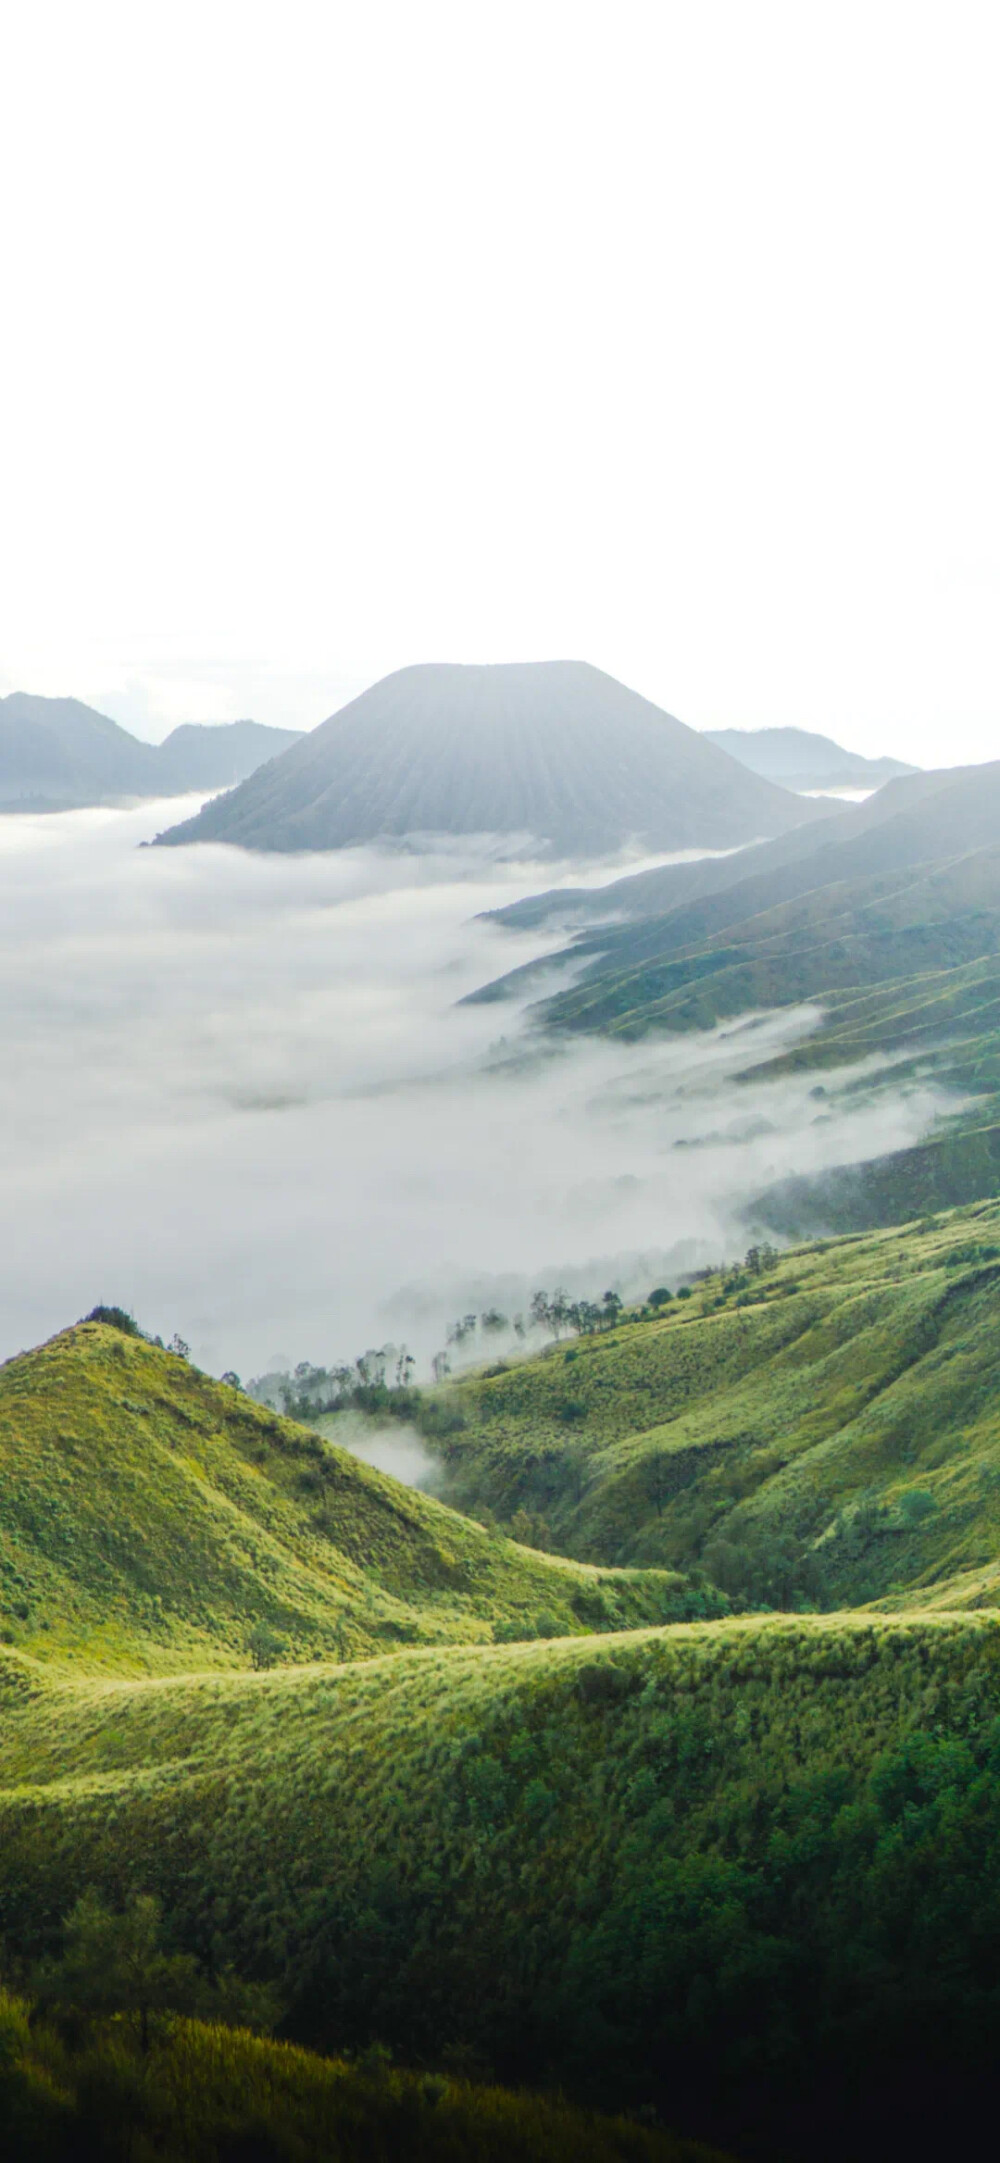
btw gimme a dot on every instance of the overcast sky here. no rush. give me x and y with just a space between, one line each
340 336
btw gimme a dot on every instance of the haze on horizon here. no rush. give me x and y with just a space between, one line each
660 336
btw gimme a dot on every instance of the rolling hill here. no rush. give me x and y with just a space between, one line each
824 1430
798 759
209 2094
699 1871
151 1518
555 750
57 754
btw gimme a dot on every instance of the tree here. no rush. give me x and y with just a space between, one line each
405 1364
538 1311
115 1963
372 1365
611 1308
115 1318
264 1645
559 1313
179 1345
660 1297
232 1379
493 1322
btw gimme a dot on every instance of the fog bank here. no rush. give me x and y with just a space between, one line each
238 1096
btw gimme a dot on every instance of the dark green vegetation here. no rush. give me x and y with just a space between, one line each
885 918
152 1519
747 1873
798 759
739 1876
211 2095
57 754
823 1431
554 751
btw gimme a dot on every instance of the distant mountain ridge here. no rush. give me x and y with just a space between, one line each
798 759
57 754
554 750
885 918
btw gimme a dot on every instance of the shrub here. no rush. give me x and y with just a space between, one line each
115 1318
264 1645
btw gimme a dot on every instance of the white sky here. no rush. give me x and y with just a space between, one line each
340 336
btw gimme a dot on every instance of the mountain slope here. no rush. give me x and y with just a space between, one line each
150 1518
798 759
57 754
217 755
555 750
839 844
825 1430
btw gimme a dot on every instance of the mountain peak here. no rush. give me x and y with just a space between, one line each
553 752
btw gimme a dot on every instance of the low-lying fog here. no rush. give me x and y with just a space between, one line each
238 1097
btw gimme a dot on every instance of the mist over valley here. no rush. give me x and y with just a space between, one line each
241 1095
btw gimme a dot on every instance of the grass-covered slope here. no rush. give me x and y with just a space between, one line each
887 927
827 1431
212 2095
851 935
152 1518
747 1872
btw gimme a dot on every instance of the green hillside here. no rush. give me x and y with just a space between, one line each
739 1877
700 1869
209 2093
151 1518
826 1431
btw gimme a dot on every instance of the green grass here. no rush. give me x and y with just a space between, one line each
206 2094
697 1868
659 1868
150 1518
771 1433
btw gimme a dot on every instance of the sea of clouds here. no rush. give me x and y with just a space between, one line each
239 1096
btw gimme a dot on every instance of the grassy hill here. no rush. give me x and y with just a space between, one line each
741 1875
703 1869
150 1518
827 1431
208 2095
